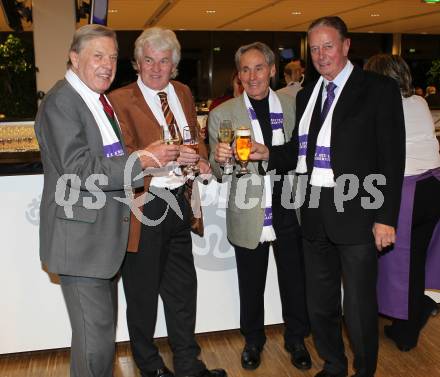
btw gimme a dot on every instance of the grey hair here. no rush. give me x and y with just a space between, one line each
85 34
160 40
259 46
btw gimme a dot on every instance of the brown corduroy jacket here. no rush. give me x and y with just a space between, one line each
140 128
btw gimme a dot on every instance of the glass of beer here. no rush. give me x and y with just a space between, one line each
226 135
243 144
191 139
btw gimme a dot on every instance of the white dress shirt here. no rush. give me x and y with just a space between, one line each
171 181
339 81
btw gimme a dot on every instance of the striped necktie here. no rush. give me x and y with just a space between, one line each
330 88
110 115
168 114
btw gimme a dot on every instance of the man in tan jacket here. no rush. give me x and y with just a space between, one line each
163 263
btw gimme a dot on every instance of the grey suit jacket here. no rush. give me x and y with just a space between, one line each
90 239
245 213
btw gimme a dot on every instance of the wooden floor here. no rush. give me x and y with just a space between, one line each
223 350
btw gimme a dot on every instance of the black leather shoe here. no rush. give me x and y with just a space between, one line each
161 372
388 329
300 356
250 357
324 373
211 373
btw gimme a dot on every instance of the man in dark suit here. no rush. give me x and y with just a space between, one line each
160 259
350 131
84 240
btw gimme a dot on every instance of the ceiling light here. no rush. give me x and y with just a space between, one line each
371 31
296 13
374 14
211 11
112 11
247 29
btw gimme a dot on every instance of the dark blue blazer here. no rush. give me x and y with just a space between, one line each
368 137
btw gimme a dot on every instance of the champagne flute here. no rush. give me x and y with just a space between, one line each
226 135
191 139
243 144
167 136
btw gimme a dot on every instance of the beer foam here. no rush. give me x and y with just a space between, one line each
242 132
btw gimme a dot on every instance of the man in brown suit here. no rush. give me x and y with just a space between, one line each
163 261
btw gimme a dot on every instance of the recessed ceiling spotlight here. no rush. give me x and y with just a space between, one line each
113 11
296 13
211 11
371 31
374 14
247 29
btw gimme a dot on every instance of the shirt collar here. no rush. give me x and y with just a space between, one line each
149 91
342 76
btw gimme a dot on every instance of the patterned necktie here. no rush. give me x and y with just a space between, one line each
330 88
168 114
110 115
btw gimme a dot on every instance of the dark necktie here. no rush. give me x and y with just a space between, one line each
330 88
168 114
110 115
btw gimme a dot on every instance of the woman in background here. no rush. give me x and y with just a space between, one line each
414 262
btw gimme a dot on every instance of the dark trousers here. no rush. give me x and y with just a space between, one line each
164 266
327 264
426 214
252 271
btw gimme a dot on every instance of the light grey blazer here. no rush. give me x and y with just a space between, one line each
92 242
244 225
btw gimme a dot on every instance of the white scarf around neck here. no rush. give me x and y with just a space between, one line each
321 176
278 138
111 144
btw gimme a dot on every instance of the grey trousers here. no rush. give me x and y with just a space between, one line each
91 304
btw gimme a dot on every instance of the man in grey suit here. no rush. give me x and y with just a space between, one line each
253 228
84 229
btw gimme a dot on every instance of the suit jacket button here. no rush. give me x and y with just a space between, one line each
126 219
